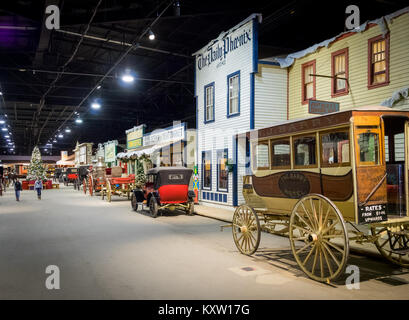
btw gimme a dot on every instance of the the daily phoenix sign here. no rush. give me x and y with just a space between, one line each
238 38
219 51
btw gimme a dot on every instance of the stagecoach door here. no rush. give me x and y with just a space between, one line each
370 169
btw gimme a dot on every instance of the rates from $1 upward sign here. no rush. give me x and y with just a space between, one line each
322 107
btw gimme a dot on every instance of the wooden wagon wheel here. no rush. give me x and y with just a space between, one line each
246 229
84 185
91 185
153 207
109 191
383 244
318 238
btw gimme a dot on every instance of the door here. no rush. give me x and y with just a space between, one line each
371 191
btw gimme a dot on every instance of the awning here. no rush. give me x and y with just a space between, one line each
148 150
65 163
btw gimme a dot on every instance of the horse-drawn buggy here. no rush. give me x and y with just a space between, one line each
96 178
117 184
166 188
325 181
81 180
70 175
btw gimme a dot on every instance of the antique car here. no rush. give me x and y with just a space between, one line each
166 188
310 179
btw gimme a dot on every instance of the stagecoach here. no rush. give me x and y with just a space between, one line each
166 188
325 181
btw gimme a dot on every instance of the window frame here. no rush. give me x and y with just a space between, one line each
229 76
370 75
203 169
253 154
272 166
293 153
303 67
343 92
220 152
205 120
336 165
381 155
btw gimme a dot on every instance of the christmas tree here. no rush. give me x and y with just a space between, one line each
36 169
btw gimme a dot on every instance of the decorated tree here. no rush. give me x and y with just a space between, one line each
36 168
142 163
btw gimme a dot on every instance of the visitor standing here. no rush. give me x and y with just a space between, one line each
38 185
17 189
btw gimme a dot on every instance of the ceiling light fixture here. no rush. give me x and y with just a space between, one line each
95 105
78 120
68 130
151 35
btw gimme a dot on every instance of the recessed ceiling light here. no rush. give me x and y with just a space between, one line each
127 78
95 106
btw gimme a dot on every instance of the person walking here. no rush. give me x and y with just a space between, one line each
17 189
38 185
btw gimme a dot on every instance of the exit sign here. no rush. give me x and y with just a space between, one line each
322 107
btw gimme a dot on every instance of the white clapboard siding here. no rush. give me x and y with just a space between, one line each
219 134
270 95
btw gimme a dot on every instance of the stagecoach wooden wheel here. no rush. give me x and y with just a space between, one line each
318 238
246 229
109 191
383 244
91 185
84 185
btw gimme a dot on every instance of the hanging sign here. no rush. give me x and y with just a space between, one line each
134 137
322 107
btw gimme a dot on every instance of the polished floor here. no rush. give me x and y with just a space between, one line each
106 251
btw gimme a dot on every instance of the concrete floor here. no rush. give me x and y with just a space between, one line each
107 251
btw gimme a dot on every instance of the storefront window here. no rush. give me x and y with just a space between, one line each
207 169
222 173
234 92
304 151
335 148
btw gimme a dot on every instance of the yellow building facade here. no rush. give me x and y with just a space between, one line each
374 65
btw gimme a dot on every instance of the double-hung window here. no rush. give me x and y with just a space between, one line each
233 94
308 81
378 61
339 72
209 103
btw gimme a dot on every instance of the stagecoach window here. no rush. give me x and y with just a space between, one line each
280 153
261 157
368 148
335 148
304 151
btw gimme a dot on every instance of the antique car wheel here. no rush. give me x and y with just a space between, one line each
318 238
84 185
153 207
91 185
246 229
134 203
382 243
190 208
109 191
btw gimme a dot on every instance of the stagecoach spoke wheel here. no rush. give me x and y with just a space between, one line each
153 207
393 246
318 238
246 229
109 191
84 185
